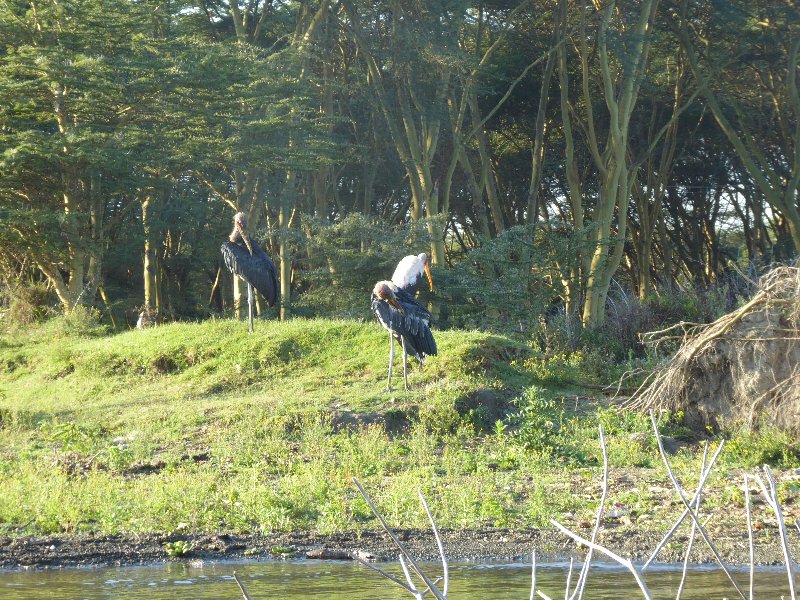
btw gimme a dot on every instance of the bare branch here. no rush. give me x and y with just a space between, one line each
692 514
696 504
385 574
613 556
241 587
581 585
772 499
685 514
404 551
438 542
750 533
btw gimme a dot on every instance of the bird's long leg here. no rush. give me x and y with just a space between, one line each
391 360
405 362
250 306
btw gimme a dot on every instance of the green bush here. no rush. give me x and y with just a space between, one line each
538 420
29 304
767 446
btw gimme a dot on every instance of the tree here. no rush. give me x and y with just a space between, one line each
745 60
623 41
77 83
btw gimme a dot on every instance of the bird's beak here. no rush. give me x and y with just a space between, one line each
395 303
245 239
428 273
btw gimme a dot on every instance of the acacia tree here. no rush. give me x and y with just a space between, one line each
410 78
77 82
621 51
745 61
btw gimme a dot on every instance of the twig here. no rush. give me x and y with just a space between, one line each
750 534
438 542
419 595
613 556
579 587
385 574
241 587
404 551
685 513
692 514
569 577
533 575
696 504
771 496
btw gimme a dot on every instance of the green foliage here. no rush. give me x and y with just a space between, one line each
767 446
498 285
81 321
178 548
28 305
539 420
74 436
347 258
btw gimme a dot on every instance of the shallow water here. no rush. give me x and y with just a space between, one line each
351 581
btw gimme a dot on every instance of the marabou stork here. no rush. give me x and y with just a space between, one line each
246 259
406 320
408 274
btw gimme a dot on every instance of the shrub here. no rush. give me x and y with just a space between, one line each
29 304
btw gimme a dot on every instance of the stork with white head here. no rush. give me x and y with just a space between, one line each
406 320
408 274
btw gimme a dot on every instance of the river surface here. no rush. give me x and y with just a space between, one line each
351 581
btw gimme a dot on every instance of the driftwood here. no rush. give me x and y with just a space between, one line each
336 554
419 584
691 510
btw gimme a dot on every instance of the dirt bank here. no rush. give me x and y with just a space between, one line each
78 550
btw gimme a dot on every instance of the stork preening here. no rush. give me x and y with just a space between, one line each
407 321
408 274
246 259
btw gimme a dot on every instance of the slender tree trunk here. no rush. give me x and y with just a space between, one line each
285 263
148 271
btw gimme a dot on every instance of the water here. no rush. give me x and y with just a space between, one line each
351 581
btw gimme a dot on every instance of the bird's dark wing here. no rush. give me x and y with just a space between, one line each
411 325
410 304
257 269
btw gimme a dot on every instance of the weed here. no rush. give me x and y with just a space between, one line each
283 551
178 548
767 446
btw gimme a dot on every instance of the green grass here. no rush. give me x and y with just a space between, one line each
204 427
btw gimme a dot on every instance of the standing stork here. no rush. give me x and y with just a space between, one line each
406 320
408 274
246 259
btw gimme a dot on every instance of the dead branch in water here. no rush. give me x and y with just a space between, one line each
691 509
241 587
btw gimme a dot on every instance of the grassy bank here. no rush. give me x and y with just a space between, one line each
205 428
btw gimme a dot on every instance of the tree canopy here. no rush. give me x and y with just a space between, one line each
539 152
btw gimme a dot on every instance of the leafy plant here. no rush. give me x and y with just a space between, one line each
178 548
539 420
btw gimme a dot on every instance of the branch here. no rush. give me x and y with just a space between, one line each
579 587
241 587
403 550
615 557
692 514
771 496
685 514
